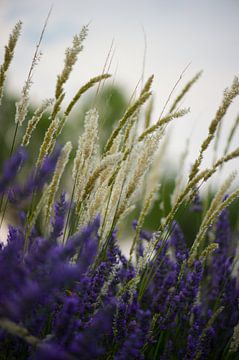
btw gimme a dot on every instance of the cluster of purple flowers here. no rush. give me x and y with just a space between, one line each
75 300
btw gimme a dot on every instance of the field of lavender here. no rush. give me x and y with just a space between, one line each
67 290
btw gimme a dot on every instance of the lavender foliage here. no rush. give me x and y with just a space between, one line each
78 300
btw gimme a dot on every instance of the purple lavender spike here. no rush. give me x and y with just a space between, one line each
59 218
11 168
38 178
178 242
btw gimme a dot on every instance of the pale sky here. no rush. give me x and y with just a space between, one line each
203 32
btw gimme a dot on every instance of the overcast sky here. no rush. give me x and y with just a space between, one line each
203 32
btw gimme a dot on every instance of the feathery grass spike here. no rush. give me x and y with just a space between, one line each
223 206
148 114
83 89
184 91
232 155
107 161
231 134
129 112
143 163
35 120
211 215
234 346
23 104
8 54
48 141
163 121
74 101
87 155
147 85
229 95
183 195
208 251
71 55
54 185
129 132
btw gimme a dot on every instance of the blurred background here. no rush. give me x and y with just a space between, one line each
145 37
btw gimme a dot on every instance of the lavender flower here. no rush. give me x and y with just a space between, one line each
38 178
11 168
59 218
